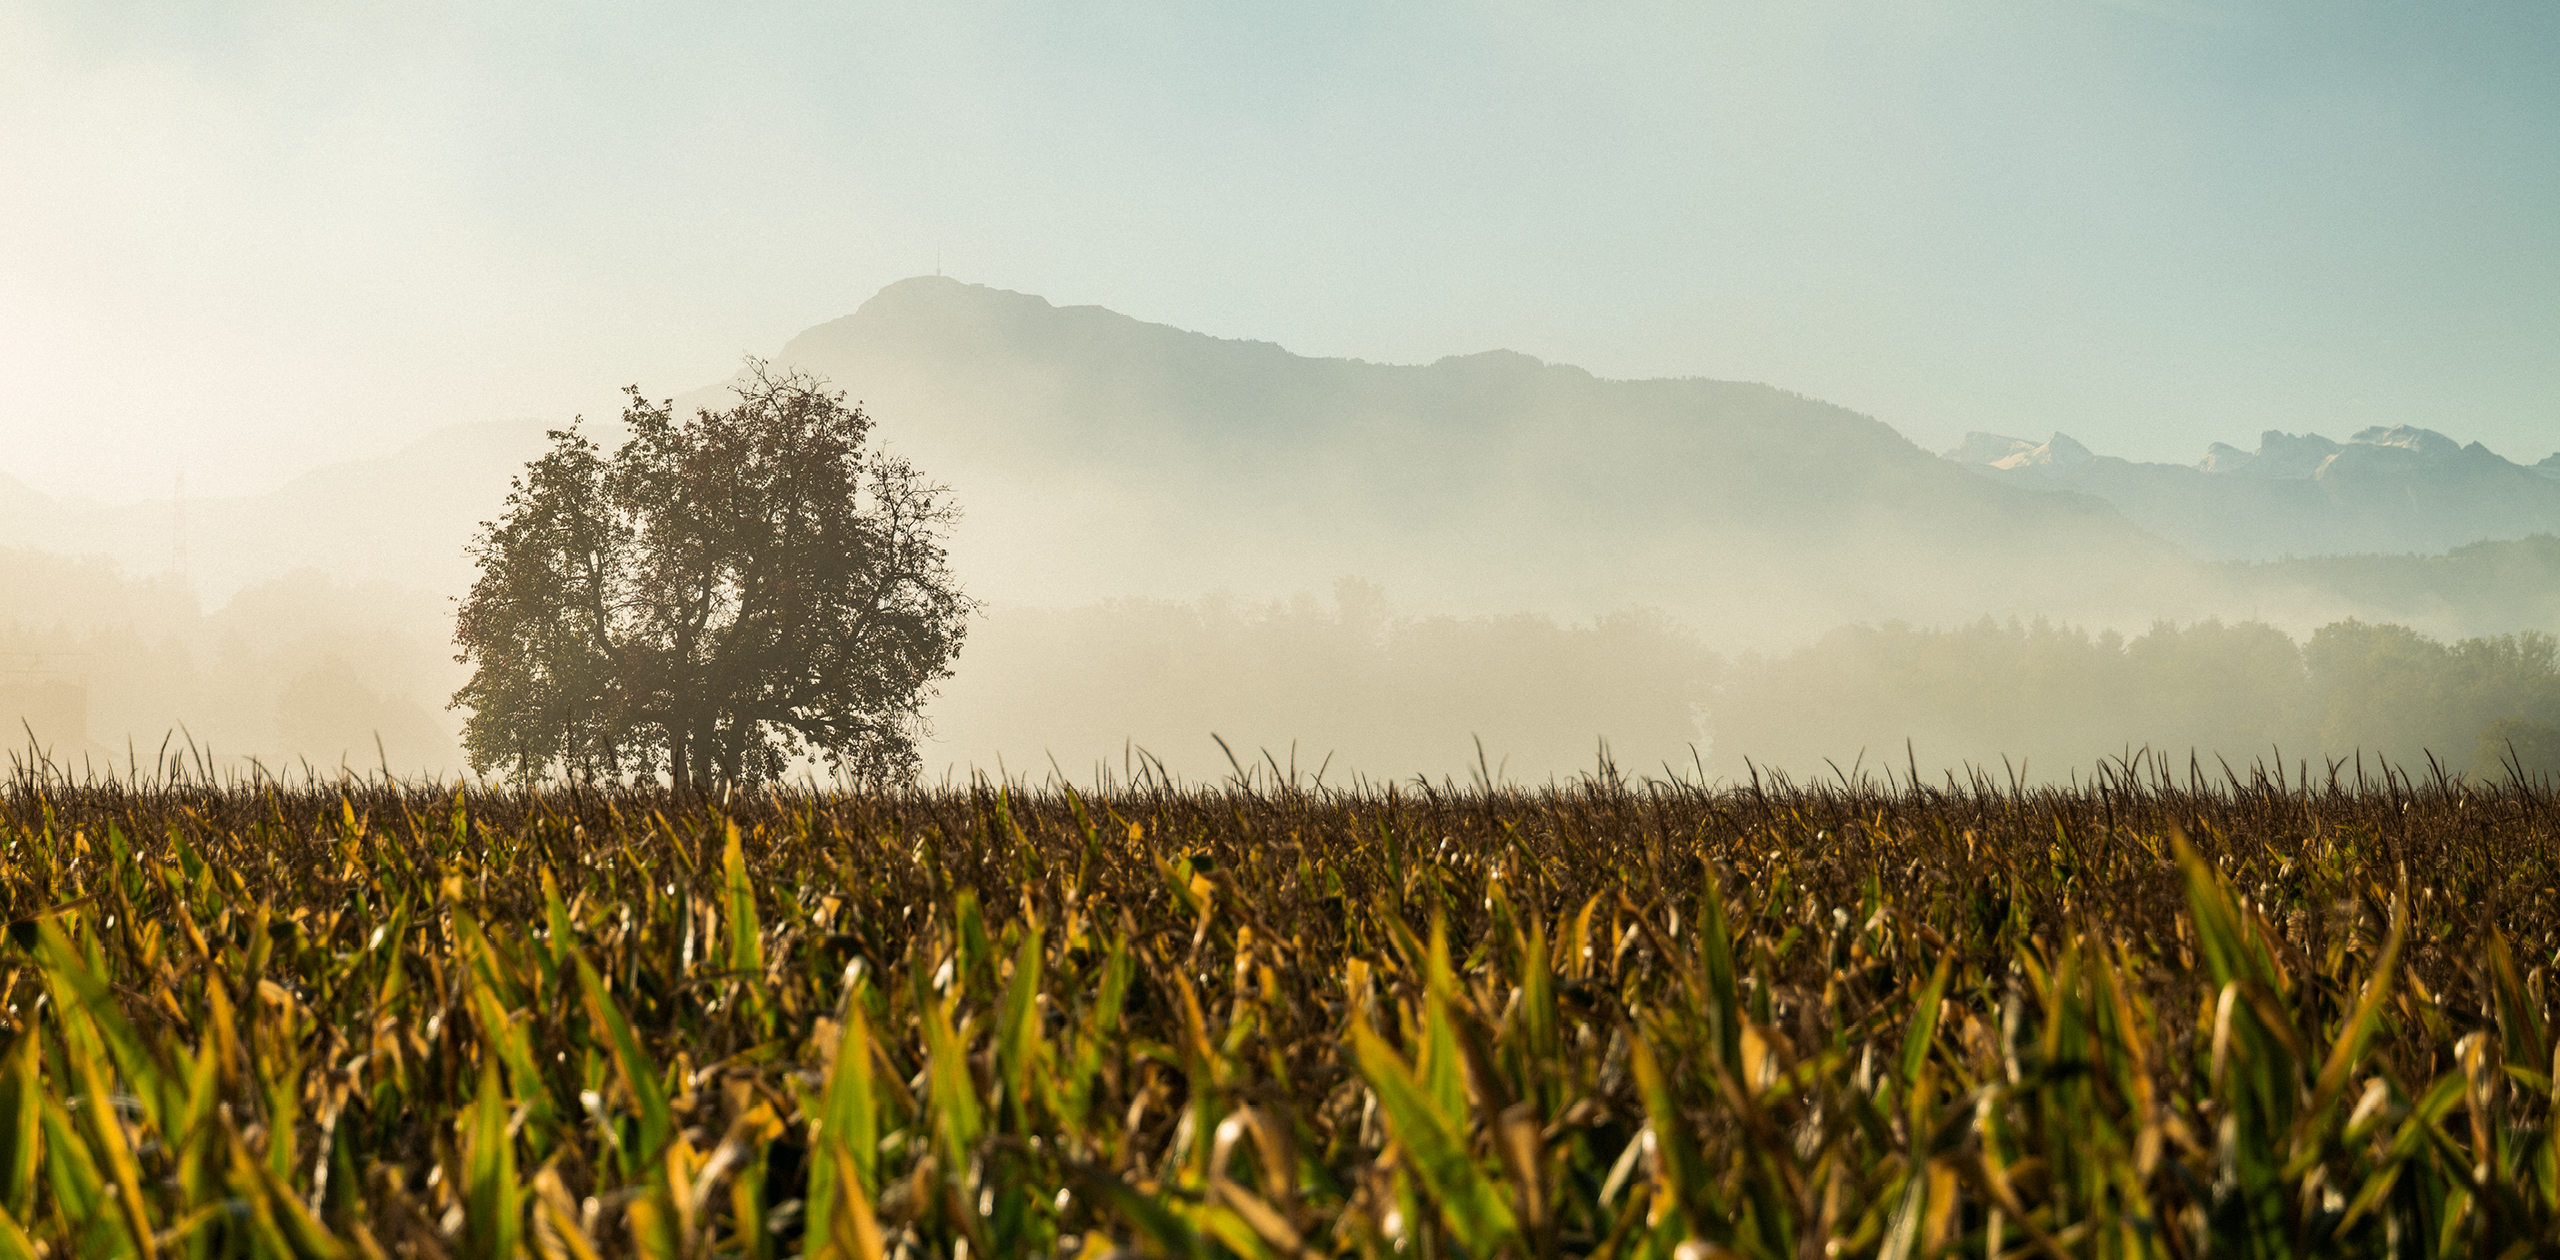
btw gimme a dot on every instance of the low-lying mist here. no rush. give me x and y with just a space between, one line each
1526 698
2046 701
109 673
1306 688
1676 576
308 674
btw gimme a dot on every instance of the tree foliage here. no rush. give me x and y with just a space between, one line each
2057 698
721 596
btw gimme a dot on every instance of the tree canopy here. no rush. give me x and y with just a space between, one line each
721 596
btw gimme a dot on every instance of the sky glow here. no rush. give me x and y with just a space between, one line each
255 238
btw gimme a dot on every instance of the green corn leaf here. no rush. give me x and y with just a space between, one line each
277 1213
485 961
1923 1031
632 1066
1724 1003
1165 1229
385 956
950 1090
21 1125
746 941
1443 1068
1536 1026
1902 1230
90 1012
1436 1139
847 1124
745 947
2519 1015
1097 1037
79 1190
1205 1071
510 1040
1232 1231
1675 1155
1022 1053
2457 1205
555 913
256 1208
506 1035
493 1199
2230 951
846 1228
2348 1050
107 1140
976 964
2413 1136
653 1230
200 1134
14 1242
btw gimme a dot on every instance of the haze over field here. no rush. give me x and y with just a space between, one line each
1695 379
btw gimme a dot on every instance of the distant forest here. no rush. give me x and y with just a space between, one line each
2447 656
2043 698
2485 587
98 669
2048 698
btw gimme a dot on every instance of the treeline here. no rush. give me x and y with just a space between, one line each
1145 681
2480 589
309 669
2045 699
1343 686
99 670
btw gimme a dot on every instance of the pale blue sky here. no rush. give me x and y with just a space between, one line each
256 237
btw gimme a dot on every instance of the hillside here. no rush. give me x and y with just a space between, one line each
2391 490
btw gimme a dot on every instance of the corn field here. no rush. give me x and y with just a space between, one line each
2153 1016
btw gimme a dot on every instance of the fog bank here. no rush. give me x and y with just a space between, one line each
111 673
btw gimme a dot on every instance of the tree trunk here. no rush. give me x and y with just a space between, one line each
678 764
731 751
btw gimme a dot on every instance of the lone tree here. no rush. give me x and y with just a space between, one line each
723 595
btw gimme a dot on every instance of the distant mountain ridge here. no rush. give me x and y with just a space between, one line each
1098 454
2394 489
1112 472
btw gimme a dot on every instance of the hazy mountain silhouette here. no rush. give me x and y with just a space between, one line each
1097 454
1100 456
402 517
1507 512
2390 490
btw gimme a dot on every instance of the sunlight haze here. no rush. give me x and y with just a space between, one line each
255 238
1422 389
